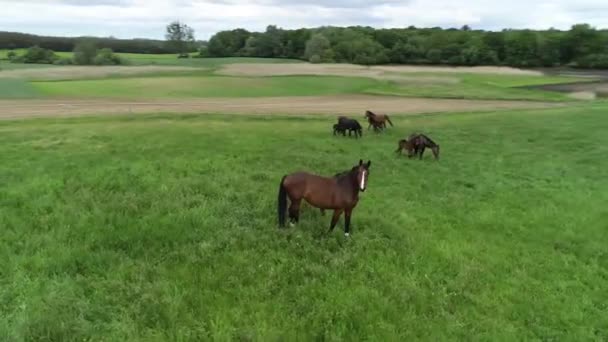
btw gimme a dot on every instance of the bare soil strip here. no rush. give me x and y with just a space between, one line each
304 105
363 71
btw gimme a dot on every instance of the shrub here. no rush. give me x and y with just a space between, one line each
37 55
107 57
593 61
11 55
85 52
315 59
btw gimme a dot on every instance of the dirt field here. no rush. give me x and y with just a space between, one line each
302 105
357 70
79 72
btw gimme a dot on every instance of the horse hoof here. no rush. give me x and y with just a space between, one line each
347 234
291 224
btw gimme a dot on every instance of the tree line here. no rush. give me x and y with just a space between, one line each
582 46
15 40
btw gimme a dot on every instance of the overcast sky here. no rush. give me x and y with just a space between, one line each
147 18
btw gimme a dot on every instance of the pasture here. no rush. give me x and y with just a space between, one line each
162 226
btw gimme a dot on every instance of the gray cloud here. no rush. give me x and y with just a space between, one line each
146 18
320 3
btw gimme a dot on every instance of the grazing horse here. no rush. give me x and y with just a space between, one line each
406 145
339 129
377 120
340 193
416 143
349 124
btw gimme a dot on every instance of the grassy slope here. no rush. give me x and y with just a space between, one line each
471 86
184 86
476 86
165 228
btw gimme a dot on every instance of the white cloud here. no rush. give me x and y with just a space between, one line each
147 18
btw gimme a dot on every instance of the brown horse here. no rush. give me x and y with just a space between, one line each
416 143
340 193
378 121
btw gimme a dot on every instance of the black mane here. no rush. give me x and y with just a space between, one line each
346 176
429 140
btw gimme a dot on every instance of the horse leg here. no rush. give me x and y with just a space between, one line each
347 214
334 219
294 211
322 212
422 152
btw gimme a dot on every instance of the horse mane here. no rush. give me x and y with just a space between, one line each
370 112
344 176
429 139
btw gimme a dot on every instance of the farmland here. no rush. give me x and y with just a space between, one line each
160 223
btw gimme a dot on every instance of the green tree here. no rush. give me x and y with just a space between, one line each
107 57
434 56
583 40
38 55
11 55
228 43
318 49
85 52
521 48
180 37
405 53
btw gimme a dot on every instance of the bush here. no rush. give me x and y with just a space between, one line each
456 60
11 55
107 57
315 59
37 55
203 52
593 61
85 52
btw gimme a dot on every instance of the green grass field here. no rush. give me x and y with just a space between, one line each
181 84
164 228
169 59
480 86
206 86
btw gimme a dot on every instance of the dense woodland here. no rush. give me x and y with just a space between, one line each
15 40
582 46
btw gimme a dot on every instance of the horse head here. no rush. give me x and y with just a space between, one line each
362 172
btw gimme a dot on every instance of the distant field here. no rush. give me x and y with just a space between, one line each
171 59
166 76
176 87
214 86
164 228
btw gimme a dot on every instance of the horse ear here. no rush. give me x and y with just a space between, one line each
360 162
369 163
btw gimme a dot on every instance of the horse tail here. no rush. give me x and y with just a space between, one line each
389 120
282 202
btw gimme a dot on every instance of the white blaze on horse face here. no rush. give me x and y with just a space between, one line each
363 180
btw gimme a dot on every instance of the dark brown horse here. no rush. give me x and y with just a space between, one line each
416 143
340 193
378 121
